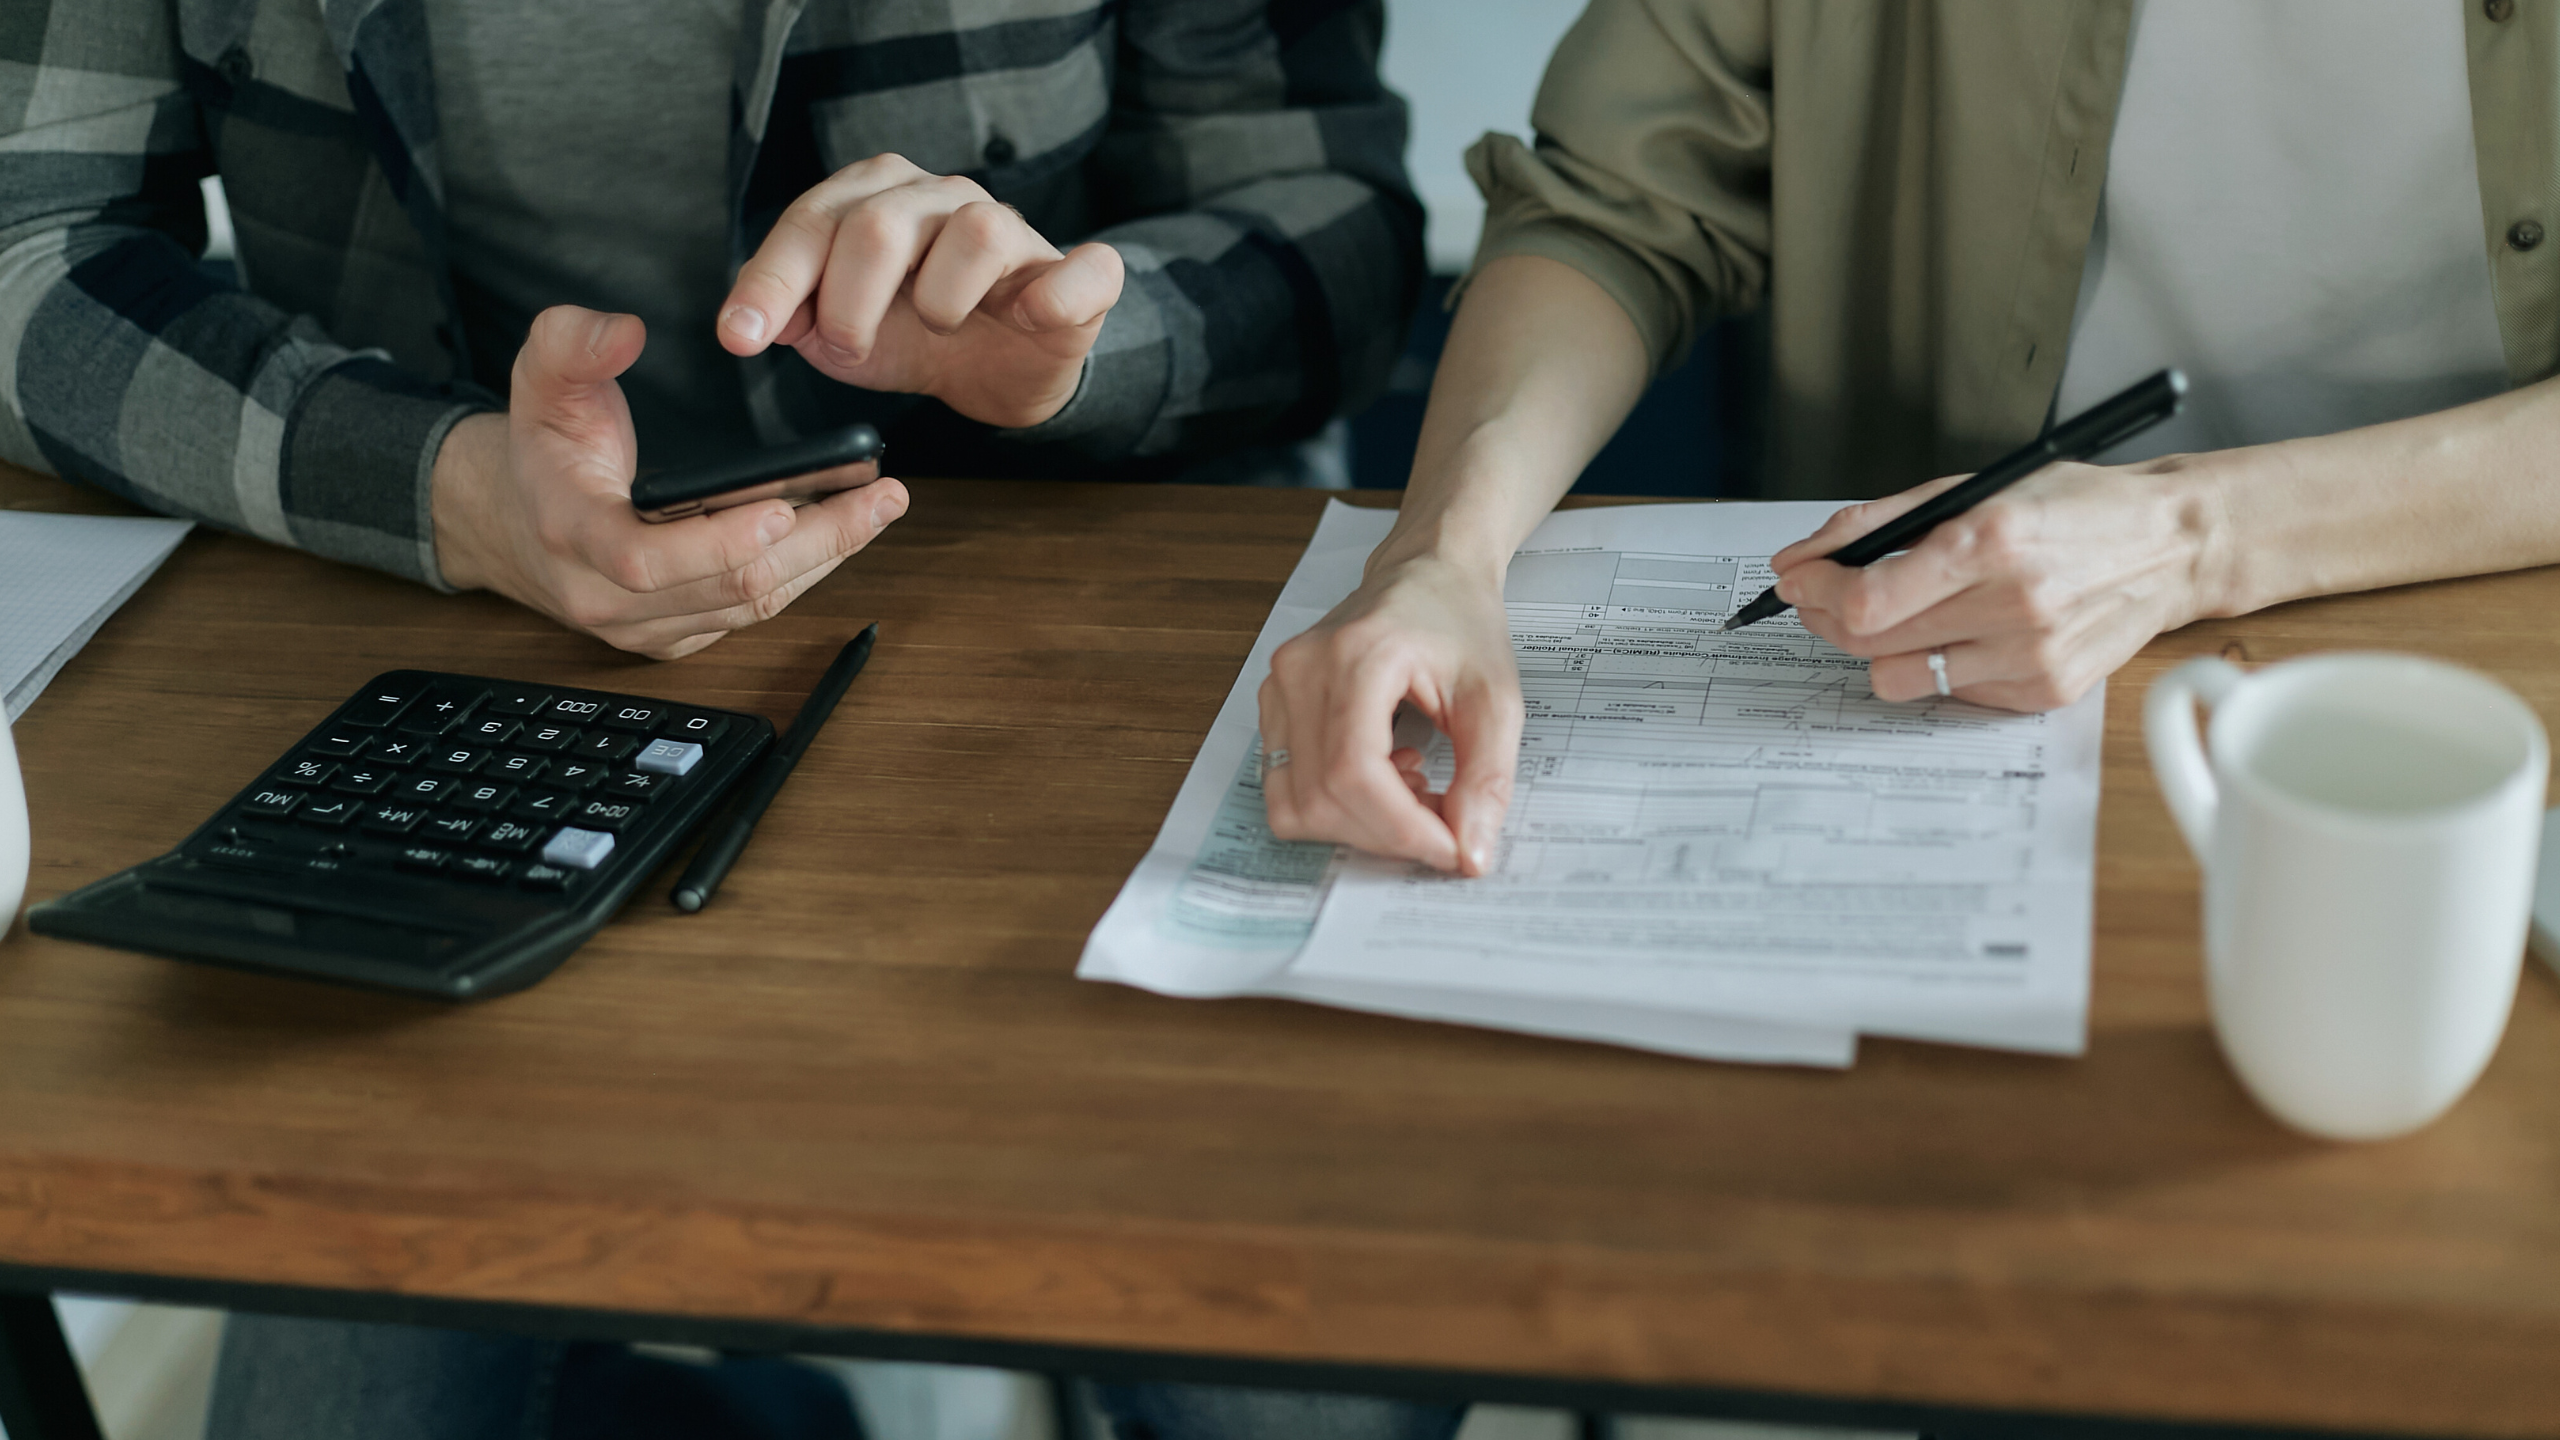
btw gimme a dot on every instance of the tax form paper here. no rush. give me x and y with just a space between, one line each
1719 845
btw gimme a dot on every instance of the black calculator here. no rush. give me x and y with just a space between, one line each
441 835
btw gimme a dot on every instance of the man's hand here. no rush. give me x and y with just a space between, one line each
890 278
536 505
2034 595
1424 633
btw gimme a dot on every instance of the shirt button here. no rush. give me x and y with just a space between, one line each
2524 234
2498 10
999 150
236 67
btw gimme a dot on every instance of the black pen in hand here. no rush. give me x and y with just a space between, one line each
2110 422
729 834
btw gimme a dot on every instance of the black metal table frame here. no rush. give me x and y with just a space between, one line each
42 1396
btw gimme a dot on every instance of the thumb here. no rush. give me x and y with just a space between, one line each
570 351
1073 291
1484 729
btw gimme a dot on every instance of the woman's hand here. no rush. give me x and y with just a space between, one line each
1423 632
2034 595
1541 365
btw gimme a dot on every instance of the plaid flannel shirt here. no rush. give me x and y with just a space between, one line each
1240 154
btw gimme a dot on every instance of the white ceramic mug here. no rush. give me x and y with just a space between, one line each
2367 825
13 830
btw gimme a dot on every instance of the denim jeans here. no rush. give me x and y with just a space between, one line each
284 1379
1218 1412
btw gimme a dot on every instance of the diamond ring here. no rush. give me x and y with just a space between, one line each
1937 671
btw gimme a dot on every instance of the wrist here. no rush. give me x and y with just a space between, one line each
463 487
2201 491
1433 543
1469 511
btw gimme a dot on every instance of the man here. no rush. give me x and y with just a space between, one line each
494 257
417 183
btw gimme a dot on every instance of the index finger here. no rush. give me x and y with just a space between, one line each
1369 803
786 269
1873 598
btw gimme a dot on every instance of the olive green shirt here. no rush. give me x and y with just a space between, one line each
1910 187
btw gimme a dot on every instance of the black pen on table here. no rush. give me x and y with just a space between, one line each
730 833
2110 422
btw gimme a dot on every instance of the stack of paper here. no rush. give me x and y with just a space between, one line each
61 576
1719 845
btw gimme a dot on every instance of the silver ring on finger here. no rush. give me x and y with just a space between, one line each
1938 671
1274 760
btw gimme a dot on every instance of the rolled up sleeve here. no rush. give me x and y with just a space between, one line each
1650 169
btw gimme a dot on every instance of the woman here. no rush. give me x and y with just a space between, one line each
1965 217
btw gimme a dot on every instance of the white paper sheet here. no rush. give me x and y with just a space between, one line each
61 576
1733 824
1719 846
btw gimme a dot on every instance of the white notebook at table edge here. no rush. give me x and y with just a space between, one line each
61 576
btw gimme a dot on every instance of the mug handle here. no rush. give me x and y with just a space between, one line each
2177 751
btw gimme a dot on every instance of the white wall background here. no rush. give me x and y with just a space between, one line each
1465 67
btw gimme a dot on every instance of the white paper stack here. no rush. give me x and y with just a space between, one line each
61 576
1721 846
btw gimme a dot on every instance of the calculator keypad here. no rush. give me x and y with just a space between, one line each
469 782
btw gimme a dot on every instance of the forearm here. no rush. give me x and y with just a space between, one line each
1540 368
2465 491
259 422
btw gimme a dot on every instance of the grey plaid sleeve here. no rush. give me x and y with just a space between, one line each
1274 247
123 367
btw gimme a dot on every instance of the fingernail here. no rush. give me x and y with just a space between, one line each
596 332
773 528
744 321
838 355
890 508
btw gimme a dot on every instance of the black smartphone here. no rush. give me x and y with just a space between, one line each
787 472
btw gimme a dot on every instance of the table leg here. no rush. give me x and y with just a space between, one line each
1069 1418
41 1395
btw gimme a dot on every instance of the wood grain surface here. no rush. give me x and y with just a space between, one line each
864 1089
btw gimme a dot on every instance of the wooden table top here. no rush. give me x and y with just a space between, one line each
866 1090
